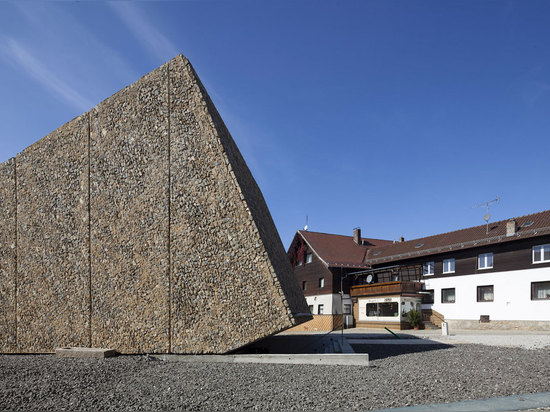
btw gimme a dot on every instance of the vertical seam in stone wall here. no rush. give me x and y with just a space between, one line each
169 218
16 252
89 236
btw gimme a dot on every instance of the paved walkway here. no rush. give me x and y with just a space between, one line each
506 338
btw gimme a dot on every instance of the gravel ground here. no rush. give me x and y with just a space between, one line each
398 376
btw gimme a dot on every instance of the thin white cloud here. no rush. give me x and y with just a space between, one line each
151 38
18 55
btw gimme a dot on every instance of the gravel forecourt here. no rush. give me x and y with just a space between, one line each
398 376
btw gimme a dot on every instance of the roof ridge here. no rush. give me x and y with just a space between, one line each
460 230
337 234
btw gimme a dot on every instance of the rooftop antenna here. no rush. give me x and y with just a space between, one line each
305 227
487 216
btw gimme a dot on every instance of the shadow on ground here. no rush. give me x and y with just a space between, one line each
384 347
381 351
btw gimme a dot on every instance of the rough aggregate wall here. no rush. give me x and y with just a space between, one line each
183 259
281 271
129 217
52 240
8 322
229 289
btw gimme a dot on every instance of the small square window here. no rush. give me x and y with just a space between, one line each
321 282
347 309
448 295
540 290
485 261
320 309
485 293
541 253
304 285
428 268
449 266
309 258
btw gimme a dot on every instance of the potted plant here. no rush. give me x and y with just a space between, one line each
415 319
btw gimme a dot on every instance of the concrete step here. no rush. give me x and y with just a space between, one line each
430 325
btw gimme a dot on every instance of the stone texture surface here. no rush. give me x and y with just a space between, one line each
129 217
227 259
8 241
140 228
52 240
527 325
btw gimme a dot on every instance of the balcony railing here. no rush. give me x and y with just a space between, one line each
388 288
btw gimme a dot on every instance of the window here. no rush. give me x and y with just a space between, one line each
485 261
428 268
428 296
449 266
309 257
541 253
540 290
311 308
383 309
347 309
485 293
299 263
304 285
320 309
448 295
321 282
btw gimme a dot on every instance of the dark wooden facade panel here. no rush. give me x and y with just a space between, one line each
311 273
507 256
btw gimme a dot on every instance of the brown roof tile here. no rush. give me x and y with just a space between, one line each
461 239
339 250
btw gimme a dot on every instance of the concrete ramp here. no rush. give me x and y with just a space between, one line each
138 226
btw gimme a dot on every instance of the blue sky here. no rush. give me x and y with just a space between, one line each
395 116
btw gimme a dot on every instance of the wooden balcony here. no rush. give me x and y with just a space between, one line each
388 288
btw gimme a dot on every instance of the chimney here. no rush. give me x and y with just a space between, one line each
401 239
511 227
357 235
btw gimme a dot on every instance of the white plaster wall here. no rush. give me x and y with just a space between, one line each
512 295
317 300
332 303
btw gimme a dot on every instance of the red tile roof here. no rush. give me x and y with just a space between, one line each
339 250
536 224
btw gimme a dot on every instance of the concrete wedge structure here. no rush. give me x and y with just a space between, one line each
138 226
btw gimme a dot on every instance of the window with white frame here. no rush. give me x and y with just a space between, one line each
485 261
321 282
320 309
449 266
309 258
428 268
541 253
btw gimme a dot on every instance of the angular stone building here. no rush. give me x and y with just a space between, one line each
138 226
